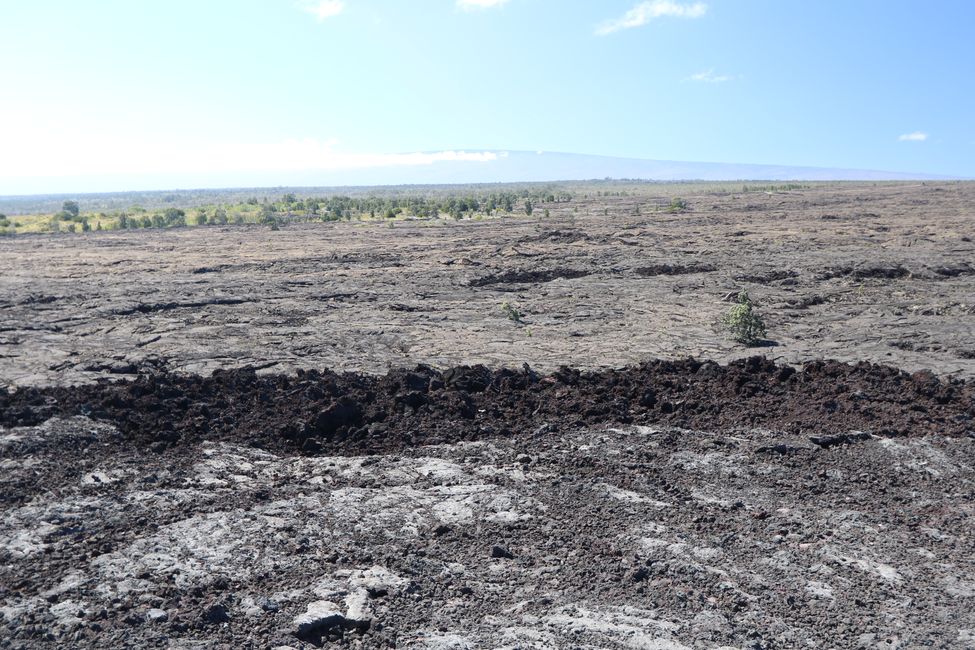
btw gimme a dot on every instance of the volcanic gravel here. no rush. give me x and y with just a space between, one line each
326 412
594 538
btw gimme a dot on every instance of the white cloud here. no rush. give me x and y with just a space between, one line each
470 5
709 77
917 136
34 155
322 9
644 12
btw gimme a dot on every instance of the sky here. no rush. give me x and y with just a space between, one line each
141 94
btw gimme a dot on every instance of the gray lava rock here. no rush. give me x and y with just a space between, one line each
319 615
156 615
216 614
257 606
501 552
267 604
322 617
378 581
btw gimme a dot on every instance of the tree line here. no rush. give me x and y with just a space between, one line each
290 207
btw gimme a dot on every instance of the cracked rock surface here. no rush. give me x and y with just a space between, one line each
853 271
629 537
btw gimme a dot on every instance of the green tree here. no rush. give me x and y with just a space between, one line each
71 207
529 208
174 217
267 213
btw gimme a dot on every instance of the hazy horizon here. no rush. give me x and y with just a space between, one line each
492 167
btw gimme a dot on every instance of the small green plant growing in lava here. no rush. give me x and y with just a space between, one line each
743 323
677 204
511 312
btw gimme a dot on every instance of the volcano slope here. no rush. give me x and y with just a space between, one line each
230 437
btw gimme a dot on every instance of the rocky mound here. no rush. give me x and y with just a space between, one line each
317 412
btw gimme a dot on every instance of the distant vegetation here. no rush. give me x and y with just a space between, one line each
788 187
139 210
462 203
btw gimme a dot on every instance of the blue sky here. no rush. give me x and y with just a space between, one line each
128 92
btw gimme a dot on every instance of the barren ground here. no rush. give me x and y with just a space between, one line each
858 273
663 505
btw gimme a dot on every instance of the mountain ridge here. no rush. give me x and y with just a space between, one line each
491 166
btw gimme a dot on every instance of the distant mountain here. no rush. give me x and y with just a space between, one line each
531 166
583 167
480 167
513 166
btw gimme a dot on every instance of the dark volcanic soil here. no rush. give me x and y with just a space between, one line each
326 412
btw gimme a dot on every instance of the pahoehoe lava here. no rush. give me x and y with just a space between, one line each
323 411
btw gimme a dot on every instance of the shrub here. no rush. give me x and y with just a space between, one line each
511 312
677 204
744 325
